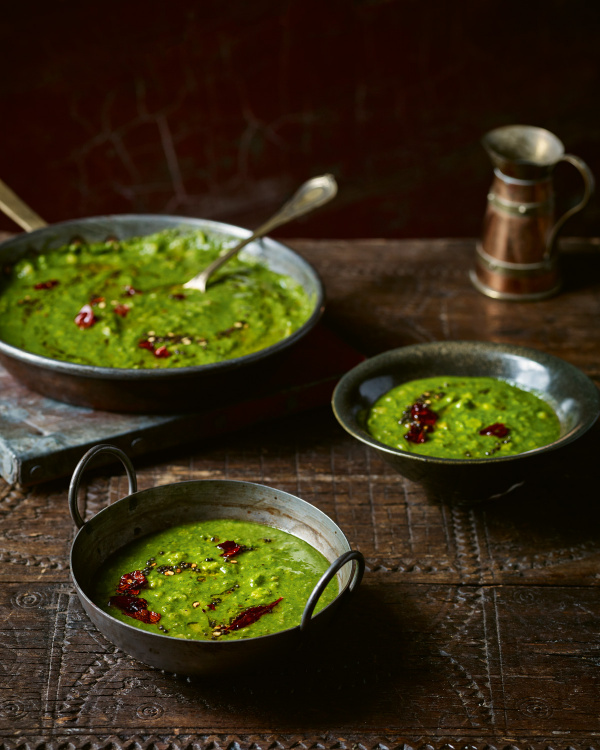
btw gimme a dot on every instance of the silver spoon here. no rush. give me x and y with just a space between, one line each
312 194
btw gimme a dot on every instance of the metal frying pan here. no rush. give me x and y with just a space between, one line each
169 390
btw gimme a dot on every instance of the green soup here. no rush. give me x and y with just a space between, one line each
462 417
122 304
213 580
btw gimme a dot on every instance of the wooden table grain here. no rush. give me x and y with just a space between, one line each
475 627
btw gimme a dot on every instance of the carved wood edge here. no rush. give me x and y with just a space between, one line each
329 741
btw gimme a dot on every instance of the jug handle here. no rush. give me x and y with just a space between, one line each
588 189
81 466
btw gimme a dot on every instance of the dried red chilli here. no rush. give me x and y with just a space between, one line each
47 284
131 583
230 548
496 430
161 352
422 421
127 600
423 414
416 434
249 616
135 607
85 318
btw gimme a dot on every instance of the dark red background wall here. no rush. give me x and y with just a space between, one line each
220 109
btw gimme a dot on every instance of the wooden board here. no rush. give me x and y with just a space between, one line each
41 439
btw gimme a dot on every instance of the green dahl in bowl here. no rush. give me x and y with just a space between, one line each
482 418
462 417
218 579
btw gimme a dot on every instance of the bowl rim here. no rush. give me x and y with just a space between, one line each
81 533
127 373
374 367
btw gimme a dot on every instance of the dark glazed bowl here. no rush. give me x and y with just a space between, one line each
168 390
573 396
154 509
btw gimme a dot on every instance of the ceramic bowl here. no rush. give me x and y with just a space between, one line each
573 396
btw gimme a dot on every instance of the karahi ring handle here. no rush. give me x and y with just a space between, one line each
82 465
326 577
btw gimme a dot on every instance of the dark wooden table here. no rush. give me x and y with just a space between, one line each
475 627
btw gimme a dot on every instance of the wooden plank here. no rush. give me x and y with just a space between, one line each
475 627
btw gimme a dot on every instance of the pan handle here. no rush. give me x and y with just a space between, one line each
18 211
81 466
326 577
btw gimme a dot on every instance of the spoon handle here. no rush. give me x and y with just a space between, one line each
17 210
312 194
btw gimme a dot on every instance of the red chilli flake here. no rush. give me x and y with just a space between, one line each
496 430
422 413
249 616
85 318
416 434
135 607
230 549
128 601
121 310
96 301
422 421
131 583
47 284
161 352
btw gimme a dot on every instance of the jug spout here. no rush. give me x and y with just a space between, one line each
523 152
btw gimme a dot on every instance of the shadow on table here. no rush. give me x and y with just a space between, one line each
350 674
555 514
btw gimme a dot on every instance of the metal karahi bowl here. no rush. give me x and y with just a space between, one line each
168 390
147 511
571 394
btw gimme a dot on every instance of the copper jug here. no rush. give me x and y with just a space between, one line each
516 258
